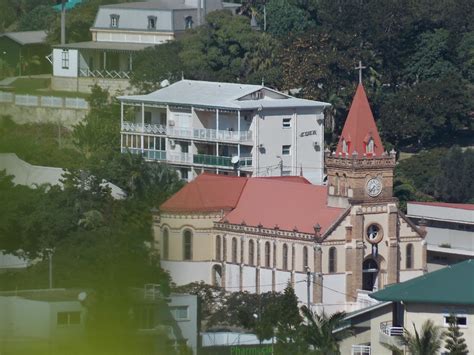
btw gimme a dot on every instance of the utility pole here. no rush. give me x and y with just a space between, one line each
308 285
50 255
264 18
63 22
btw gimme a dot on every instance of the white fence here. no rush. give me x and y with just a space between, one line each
75 103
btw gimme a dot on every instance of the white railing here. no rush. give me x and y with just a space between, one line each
6 97
211 134
360 350
76 103
148 128
105 74
26 100
178 157
387 329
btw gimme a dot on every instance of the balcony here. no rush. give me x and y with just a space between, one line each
104 74
210 134
390 335
149 154
212 160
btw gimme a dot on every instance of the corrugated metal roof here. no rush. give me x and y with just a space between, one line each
152 5
26 37
218 95
452 285
462 206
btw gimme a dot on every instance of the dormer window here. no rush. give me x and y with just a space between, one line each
114 20
257 95
188 22
345 147
369 148
152 22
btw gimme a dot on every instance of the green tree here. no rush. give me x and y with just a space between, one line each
428 342
39 18
285 18
319 331
455 343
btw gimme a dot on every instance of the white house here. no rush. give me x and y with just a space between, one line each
449 231
224 128
119 31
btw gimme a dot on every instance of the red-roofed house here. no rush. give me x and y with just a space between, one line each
257 234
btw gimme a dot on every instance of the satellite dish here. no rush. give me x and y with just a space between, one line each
82 296
235 159
165 83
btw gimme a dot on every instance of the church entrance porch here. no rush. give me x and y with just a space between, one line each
370 273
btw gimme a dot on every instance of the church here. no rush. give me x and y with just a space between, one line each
335 244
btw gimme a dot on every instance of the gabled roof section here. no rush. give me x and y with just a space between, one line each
207 193
210 94
452 285
284 203
360 127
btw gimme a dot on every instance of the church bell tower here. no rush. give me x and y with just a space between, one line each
359 170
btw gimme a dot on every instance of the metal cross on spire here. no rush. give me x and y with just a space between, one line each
360 68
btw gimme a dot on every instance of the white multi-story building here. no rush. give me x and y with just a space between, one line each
119 32
249 130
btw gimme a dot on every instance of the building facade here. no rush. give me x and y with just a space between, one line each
449 231
257 234
118 33
226 128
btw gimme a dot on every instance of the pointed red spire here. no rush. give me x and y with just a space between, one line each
360 133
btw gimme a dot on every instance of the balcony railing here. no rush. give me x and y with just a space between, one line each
360 350
213 160
106 74
210 134
149 154
148 128
177 157
390 335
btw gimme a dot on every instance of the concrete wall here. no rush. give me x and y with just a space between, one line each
188 327
84 85
25 114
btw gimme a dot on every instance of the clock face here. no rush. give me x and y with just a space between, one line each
374 187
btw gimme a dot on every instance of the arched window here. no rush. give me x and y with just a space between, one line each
218 247
165 246
234 250
409 259
332 260
217 275
251 252
187 245
305 258
285 257
267 254
224 249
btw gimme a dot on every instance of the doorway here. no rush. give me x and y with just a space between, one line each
370 272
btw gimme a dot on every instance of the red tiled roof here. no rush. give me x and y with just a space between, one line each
299 179
288 202
463 206
208 192
271 202
360 127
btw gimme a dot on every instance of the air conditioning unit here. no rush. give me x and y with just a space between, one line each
171 123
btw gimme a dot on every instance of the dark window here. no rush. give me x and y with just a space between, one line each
305 258
218 247
114 21
188 22
286 150
147 117
285 257
287 122
409 260
267 254
187 245
234 250
65 59
251 252
332 260
68 318
152 22
165 249
224 249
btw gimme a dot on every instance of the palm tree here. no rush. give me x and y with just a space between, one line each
428 342
320 331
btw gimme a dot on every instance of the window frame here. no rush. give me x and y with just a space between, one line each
69 315
234 250
251 253
286 149
152 20
285 257
286 122
305 258
218 248
267 255
409 253
332 260
174 312
188 22
166 244
65 59
114 20
446 317
187 244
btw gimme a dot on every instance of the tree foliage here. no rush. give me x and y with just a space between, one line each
455 343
